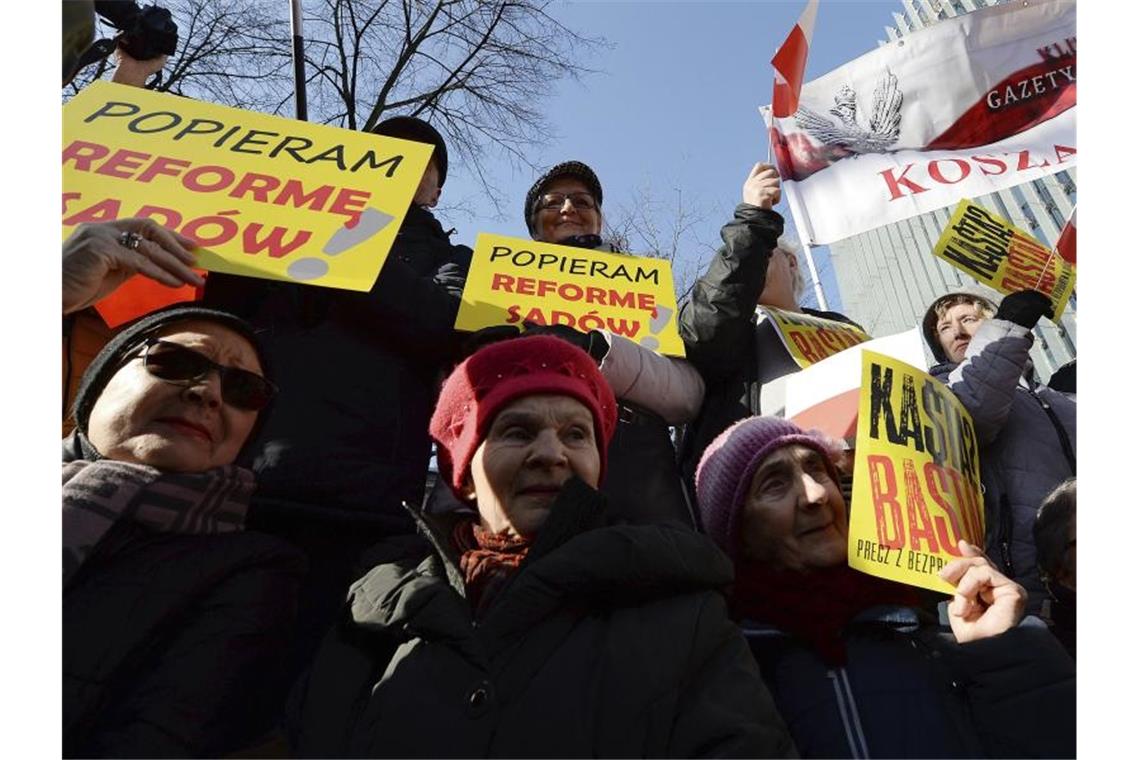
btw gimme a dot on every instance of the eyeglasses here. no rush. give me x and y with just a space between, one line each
555 201
173 363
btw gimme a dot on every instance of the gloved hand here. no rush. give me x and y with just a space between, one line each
593 342
1025 307
485 337
582 241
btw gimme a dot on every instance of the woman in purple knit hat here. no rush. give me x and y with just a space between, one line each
857 670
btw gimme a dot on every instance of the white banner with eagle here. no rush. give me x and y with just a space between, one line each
971 105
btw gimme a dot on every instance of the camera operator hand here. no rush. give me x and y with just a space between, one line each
133 72
98 258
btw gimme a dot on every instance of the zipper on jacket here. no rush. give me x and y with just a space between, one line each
1062 435
845 699
1005 533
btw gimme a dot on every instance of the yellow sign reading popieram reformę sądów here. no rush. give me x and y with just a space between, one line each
264 196
513 281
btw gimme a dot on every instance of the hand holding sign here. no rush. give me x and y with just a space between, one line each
985 603
1025 308
98 258
762 188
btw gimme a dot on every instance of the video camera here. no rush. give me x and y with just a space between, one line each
144 33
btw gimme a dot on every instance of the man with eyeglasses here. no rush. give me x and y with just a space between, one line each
1027 431
564 206
347 439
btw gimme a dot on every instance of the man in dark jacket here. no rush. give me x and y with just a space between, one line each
735 353
347 439
1028 431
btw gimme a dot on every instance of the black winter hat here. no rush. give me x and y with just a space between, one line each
417 130
575 169
108 361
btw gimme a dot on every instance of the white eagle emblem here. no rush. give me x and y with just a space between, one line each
875 136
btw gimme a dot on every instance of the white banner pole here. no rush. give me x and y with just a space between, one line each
815 278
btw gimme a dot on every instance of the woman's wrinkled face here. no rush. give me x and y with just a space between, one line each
794 516
571 217
177 427
533 447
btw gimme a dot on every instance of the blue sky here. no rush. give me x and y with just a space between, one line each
675 108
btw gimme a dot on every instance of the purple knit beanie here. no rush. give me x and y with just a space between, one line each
728 464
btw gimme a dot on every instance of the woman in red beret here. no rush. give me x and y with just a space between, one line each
527 626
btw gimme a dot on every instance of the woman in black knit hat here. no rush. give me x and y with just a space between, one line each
175 619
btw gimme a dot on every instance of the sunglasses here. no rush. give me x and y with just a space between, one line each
173 363
555 201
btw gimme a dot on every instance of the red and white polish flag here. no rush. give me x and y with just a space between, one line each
790 61
1067 242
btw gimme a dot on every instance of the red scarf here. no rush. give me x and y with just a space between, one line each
813 606
487 561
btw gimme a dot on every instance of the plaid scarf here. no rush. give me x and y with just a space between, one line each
98 494
487 560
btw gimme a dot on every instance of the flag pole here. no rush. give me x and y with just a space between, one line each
298 60
815 278
789 65
806 237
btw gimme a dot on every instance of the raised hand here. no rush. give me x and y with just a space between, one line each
762 188
985 603
98 258
134 72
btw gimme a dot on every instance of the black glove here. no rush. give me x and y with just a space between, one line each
593 342
582 241
1025 307
485 337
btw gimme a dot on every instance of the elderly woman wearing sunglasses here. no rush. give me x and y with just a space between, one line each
175 619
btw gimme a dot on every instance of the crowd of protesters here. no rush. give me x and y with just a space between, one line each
252 565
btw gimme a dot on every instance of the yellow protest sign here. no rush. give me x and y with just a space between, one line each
264 196
995 253
916 489
512 281
809 339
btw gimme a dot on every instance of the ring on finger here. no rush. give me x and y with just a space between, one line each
130 240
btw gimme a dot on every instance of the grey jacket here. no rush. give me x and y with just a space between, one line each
1028 435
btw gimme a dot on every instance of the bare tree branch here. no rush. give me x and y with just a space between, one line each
662 228
476 69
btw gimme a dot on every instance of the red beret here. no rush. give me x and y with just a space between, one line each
496 375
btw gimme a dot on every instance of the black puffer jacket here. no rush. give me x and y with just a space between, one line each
175 645
734 354
908 690
612 643
359 372
346 440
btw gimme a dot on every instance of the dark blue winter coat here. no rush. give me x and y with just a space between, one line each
908 690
